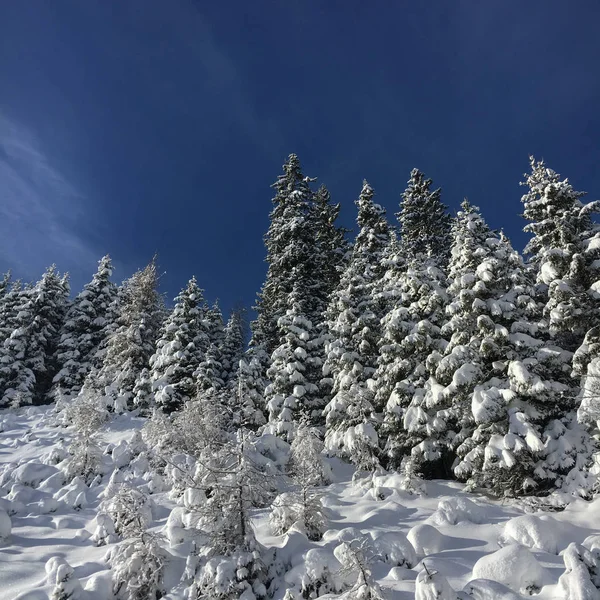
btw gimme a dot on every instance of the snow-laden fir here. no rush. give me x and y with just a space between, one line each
415 414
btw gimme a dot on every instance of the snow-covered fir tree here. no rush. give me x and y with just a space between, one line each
130 347
26 358
354 322
87 325
563 250
180 349
287 243
413 292
208 375
233 346
216 325
424 220
291 396
9 302
247 395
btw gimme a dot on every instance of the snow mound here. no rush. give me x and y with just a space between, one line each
5 524
33 473
580 578
514 566
61 576
457 509
541 533
431 585
485 589
426 540
393 548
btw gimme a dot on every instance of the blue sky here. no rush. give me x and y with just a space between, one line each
141 126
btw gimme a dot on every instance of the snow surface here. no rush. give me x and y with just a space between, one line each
473 547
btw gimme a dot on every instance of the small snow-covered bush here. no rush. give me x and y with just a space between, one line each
317 574
71 494
104 530
61 576
240 575
541 533
86 414
431 585
514 566
85 459
306 464
130 511
302 511
581 579
5 524
138 568
356 558
455 509
426 539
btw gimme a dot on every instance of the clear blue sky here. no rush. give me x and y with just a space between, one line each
135 126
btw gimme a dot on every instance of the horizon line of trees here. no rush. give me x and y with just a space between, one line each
429 345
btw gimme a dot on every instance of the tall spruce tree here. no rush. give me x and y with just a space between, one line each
561 227
232 348
291 396
8 309
424 220
86 327
130 347
414 296
180 349
354 320
288 254
27 365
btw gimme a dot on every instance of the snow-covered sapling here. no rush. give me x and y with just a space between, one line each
138 567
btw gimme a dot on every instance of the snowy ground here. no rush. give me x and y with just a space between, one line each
451 532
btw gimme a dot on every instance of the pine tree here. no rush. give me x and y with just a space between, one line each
413 292
411 333
424 222
9 302
287 252
27 355
85 328
180 349
130 347
561 227
232 348
354 320
216 326
248 400
291 396
5 284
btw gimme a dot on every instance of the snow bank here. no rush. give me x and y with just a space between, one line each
426 540
514 566
541 533
457 509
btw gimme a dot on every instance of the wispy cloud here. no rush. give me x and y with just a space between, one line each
39 208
